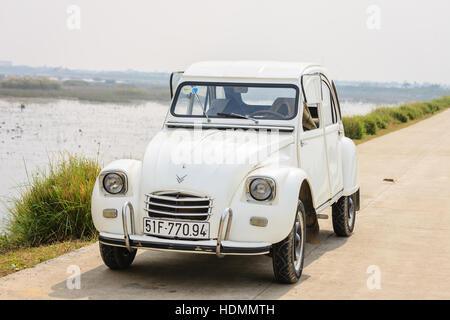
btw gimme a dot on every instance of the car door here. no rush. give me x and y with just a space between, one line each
333 135
312 151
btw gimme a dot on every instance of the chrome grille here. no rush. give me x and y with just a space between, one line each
177 205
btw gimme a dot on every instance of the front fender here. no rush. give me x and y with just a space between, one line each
101 201
280 213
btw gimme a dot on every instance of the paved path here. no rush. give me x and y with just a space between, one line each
403 231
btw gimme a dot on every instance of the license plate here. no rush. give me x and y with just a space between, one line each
176 229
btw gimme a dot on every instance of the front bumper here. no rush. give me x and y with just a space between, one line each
220 246
200 246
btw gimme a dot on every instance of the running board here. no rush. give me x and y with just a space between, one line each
322 216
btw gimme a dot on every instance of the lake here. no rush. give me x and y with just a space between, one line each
31 136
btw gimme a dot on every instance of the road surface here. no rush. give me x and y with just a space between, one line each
399 250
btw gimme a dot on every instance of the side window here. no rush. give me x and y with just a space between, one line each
327 110
337 106
333 110
311 119
312 94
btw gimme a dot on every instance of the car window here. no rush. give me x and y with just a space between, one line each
271 102
333 110
336 100
327 110
312 94
310 119
191 104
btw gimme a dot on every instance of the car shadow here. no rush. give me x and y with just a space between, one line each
168 275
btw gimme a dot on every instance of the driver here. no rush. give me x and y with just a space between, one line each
235 104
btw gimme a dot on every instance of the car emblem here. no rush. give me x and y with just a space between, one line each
181 179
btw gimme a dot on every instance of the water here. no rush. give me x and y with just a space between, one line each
30 136
43 129
350 108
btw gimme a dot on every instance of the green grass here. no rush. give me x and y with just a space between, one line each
20 258
389 118
354 127
54 206
30 83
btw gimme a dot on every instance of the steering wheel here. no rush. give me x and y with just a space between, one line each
283 102
277 114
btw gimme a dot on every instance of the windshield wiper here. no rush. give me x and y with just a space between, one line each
235 115
201 105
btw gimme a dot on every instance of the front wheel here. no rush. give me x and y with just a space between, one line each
288 255
117 258
344 216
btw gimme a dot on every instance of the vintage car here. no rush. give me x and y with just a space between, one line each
249 156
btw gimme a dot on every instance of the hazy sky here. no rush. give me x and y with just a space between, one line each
375 40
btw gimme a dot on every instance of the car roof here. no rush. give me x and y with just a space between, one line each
249 69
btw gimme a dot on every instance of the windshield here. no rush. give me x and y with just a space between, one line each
253 102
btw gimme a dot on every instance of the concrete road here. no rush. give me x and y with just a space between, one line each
400 248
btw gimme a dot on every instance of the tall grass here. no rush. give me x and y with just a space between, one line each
357 127
55 206
30 83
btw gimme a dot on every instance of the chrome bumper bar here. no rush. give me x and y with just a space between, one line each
219 249
228 213
126 235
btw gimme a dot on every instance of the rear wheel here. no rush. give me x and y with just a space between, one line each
117 258
288 255
344 216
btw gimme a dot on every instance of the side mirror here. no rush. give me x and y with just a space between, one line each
174 79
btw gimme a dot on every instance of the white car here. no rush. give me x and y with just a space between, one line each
249 156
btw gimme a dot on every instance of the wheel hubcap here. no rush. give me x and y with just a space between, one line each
298 242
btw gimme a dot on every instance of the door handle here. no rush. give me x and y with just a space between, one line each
340 132
303 143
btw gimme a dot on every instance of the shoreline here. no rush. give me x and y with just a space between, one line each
93 94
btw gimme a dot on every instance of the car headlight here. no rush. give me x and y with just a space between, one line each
114 182
261 188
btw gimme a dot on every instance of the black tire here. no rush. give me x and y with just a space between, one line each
344 216
286 268
117 258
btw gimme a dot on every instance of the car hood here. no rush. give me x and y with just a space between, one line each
207 162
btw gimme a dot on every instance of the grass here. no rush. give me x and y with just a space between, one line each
387 119
51 216
20 258
54 206
30 83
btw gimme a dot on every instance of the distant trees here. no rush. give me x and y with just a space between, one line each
75 83
30 83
